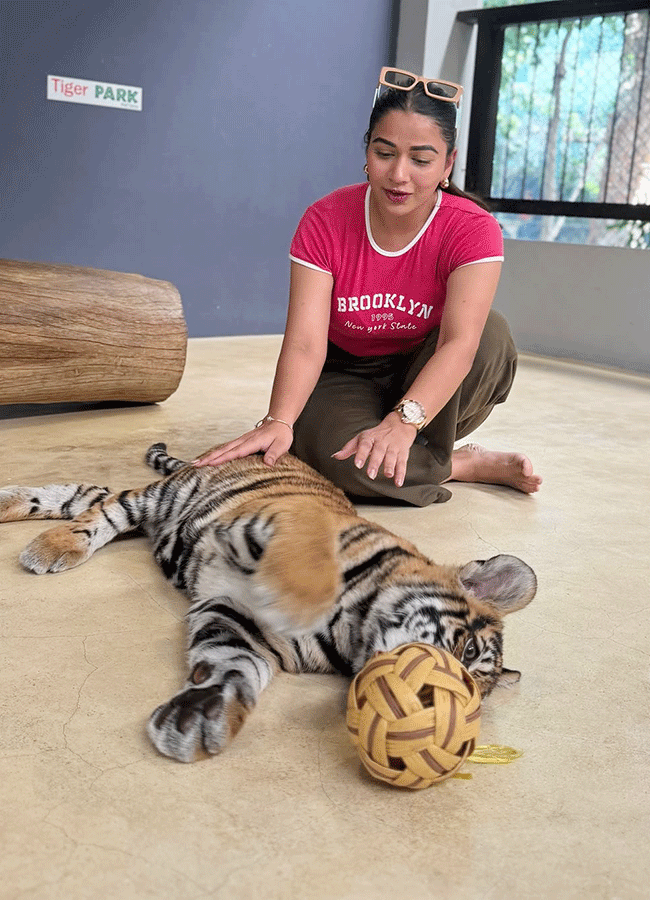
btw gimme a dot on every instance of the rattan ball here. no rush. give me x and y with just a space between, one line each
414 714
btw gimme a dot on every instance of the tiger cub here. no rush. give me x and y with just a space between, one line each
281 574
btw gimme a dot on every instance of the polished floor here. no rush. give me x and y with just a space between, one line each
88 809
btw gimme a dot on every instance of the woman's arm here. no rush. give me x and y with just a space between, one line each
305 342
470 292
300 362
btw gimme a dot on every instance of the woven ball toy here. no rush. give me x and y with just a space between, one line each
414 714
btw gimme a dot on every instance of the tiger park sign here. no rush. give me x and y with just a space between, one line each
94 93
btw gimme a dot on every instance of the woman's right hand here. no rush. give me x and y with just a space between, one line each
273 438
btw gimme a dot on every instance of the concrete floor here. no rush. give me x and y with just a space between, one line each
90 810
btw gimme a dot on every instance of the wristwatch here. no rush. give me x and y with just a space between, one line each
411 412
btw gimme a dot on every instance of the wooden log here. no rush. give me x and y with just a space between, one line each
74 334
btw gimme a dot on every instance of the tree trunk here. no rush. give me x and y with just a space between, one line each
549 229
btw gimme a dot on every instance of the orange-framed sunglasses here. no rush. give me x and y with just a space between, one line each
406 81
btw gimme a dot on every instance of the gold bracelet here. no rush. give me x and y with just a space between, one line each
273 419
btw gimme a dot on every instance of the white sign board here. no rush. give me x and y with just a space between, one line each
94 93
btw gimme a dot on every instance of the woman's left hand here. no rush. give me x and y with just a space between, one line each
387 444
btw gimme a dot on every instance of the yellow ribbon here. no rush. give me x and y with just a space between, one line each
491 753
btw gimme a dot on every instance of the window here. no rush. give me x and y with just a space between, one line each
559 133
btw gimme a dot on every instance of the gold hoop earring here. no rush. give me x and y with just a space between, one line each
444 183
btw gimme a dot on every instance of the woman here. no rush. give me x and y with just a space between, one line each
391 352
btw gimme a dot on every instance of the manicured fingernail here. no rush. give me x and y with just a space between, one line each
358 463
372 473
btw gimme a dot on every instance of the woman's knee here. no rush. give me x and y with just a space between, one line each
496 344
490 378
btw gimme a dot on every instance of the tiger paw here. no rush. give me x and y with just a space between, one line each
55 550
205 717
14 504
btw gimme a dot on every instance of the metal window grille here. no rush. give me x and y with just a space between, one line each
560 120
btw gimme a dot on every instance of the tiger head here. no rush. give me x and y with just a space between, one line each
493 588
457 608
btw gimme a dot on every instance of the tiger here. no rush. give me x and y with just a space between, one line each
282 575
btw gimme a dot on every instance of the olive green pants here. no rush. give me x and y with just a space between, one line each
354 393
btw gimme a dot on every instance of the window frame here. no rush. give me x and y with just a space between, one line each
491 24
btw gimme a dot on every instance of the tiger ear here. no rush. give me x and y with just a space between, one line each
505 582
508 677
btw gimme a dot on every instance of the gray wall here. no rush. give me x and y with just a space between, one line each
252 109
585 303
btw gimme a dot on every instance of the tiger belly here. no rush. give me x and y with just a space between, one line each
277 559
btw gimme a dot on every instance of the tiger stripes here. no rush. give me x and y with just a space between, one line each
282 574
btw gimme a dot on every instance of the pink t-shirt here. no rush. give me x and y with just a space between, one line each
387 302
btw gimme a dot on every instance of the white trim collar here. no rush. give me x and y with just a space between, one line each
412 243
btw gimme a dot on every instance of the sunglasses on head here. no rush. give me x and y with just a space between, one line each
406 81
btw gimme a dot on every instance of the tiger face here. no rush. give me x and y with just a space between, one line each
496 587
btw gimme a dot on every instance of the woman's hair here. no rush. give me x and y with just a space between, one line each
442 112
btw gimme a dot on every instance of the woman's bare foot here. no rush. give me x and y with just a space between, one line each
476 464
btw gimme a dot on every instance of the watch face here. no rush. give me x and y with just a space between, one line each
412 412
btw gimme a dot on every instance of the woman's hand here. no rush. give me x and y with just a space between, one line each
387 444
273 438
